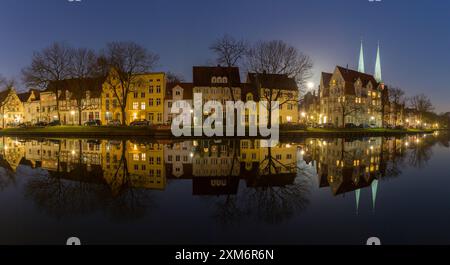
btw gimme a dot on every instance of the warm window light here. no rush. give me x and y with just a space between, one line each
72 113
303 114
289 118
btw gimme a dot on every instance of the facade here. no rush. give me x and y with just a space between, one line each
31 106
275 87
11 108
176 92
310 109
220 84
348 96
79 100
145 100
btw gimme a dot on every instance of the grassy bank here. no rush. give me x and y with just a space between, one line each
105 131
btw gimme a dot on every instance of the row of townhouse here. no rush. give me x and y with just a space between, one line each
150 98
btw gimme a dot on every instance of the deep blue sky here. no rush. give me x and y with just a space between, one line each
414 34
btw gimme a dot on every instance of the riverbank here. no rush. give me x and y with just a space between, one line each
113 132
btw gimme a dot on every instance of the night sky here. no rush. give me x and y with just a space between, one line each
414 34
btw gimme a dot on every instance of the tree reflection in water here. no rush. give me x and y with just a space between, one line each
239 178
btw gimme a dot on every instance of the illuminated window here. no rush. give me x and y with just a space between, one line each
135 105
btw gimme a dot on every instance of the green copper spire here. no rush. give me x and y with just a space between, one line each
361 59
374 193
378 66
358 195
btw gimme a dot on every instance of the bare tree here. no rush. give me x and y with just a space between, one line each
174 78
127 60
83 71
278 57
229 51
347 107
396 102
50 64
422 104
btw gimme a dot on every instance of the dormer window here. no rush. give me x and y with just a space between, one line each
219 80
225 80
214 80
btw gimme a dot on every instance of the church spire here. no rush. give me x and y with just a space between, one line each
361 59
378 66
358 195
374 193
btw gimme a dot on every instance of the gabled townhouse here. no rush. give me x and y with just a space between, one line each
11 108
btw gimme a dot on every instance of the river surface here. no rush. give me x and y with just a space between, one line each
308 191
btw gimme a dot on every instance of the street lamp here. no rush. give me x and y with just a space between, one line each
310 85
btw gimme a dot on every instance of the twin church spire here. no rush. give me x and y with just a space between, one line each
361 67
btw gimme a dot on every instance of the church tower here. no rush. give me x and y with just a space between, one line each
378 76
361 59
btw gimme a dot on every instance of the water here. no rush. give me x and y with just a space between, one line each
309 191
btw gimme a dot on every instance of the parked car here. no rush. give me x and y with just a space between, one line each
55 123
24 125
93 123
140 123
363 126
327 125
350 126
114 123
41 124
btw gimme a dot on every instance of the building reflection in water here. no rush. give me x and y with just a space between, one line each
106 173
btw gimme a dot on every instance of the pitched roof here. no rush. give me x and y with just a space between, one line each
25 96
94 85
249 88
202 76
352 75
4 94
273 81
326 78
187 90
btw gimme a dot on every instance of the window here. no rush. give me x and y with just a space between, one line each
158 89
150 116
150 102
143 157
158 101
150 90
135 95
142 94
169 104
135 105
142 105
178 92
159 117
